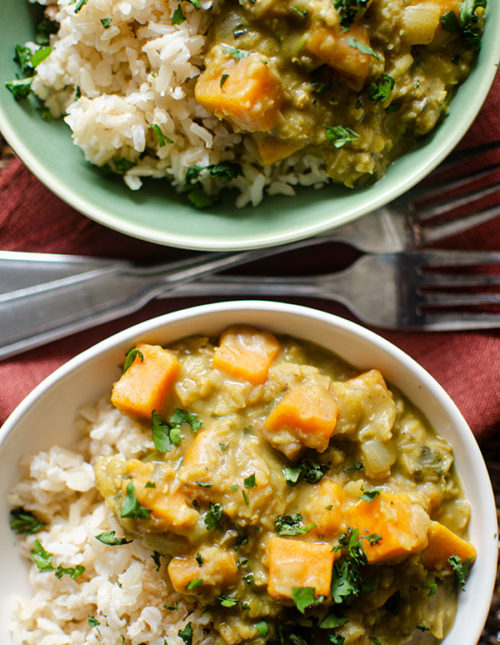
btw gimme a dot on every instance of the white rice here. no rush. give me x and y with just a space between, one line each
132 80
120 587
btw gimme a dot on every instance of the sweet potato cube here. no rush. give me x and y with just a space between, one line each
246 92
272 150
217 568
246 353
293 563
442 544
327 508
332 46
401 524
147 383
171 508
305 417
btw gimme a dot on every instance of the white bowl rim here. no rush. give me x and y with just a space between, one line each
488 506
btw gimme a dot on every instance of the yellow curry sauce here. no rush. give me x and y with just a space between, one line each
354 82
293 497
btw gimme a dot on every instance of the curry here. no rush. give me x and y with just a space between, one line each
292 496
354 82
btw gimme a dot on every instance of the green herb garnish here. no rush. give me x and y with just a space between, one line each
369 495
186 634
291 525
178 17
109 539
460 569
194 584
213 516
160 137
22 521
106 22
348 11
364 49
130 358
223 79
379 92
303 597
262 627
357 466
237 54
130 506
307 470
250 481
339 135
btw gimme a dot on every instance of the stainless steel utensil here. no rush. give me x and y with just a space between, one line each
392 290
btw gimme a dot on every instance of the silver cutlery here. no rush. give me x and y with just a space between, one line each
392 290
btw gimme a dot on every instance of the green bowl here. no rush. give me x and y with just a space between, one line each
158 214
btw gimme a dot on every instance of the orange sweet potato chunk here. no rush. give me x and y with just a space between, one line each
305 417
331 46
272 150
293 563
147 383
327 508
246 92
246 353
218 567
401 524
442 544
170 508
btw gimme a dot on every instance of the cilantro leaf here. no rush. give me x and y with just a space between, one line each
303 597
450 22
369 495
250 481
348 10
186 634
336 639
130 506
432 587
41 557
228 601
80 5
130 358
360 46
22 521
301 13
73 572
178 17
237 54
307 470
161 433
43 30
160 137
106 22
194 584
291 525
108 538
379 92
357 466
213 516
471 28
460 569
92 621
39 55
181 416
331 621
339 135
123 165
20 88
262 627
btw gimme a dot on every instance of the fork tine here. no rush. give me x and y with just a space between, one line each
438 188
435 232
459 156
460 299
455 280
456 258
457 321
463 199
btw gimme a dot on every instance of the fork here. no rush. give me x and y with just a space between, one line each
420 290
44 297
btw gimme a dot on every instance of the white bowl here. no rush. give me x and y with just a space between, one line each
46 417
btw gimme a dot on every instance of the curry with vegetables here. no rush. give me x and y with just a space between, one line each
294 498
352 81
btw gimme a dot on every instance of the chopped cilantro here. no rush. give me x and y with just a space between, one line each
360 46
123 165
242 537
130 506
173 607
291 525
248 578
106 22
250 481
237 54
423 628
93 622
161 433
347 581
245 497
348 11
156 559
262 627
204 484
460 569
42 558
181 416
470 22
149 485
228 601
339 135
39 55
178 17
22 521
186 634
320 88
379 92
160 137
331 621
195 4
80 5
234 488
194 584
73 572
199 559
357 466
20 88
130 358
301 13
213 516
432 587
369 495
373 538
223 79
336 639
225 170
43 30
223 446
108 538
303 597
199 198
23 58
307 470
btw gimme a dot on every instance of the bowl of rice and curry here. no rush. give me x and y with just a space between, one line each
152 110
200 480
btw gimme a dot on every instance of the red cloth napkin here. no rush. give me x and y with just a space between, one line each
466 364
